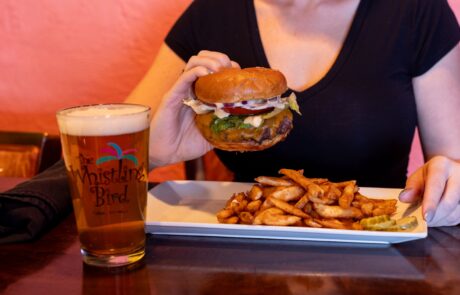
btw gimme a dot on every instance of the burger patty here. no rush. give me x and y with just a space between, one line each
272 127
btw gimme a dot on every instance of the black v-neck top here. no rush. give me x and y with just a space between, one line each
358 121
341 58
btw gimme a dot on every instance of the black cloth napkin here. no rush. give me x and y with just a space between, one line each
35 205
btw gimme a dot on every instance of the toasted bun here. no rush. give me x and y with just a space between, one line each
248 146
270 133
234 85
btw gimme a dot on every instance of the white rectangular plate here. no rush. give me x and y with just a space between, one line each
189 208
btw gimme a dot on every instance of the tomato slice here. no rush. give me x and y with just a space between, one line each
243 111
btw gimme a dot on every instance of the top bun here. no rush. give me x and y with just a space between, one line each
232 85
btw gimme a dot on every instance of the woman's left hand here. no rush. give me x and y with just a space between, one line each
438 184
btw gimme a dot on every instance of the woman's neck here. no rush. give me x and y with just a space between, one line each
303 41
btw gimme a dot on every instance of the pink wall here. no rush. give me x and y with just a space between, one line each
55 54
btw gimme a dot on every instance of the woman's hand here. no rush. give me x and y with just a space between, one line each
438 183
173 135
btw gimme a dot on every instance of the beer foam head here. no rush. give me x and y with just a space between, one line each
104 119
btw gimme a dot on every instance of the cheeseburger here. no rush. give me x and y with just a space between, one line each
242 109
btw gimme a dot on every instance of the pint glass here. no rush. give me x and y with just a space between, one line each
106 155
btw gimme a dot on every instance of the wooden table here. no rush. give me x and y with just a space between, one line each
188 265
193 265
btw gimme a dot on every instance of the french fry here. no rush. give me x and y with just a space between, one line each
302 202
319 180
347 196
287 193
255 193
314 190
314 214
356 226
321 200
254 206
337 211
266 191
339 224
376 202
237 197
345 183
333 223
297 177
266 205
357 204
258 219
362 199
232 220
387 203
383 207
280 220
238 206
273 181
288 208
224 214
367 208
310 222
385 210
308 208
274 211
246 217
331 192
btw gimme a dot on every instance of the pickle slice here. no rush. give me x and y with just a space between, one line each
384 226
367 222
407 223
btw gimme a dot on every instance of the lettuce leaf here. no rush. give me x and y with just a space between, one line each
230 122
292 100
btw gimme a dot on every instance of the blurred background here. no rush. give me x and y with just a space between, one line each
55 54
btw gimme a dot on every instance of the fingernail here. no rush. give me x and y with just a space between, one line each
428 216
404 192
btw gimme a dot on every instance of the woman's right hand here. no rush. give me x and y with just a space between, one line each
173 135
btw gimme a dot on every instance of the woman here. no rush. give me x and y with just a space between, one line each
366 73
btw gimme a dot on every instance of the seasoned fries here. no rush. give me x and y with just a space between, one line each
295 200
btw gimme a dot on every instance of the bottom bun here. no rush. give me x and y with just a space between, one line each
271 132
247 146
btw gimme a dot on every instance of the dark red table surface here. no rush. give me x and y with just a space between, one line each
194 265
9 182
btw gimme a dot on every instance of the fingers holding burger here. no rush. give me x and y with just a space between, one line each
242 109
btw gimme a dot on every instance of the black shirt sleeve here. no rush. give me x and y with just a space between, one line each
182 37
215 25
436 32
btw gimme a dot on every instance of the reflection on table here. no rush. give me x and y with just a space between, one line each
192 265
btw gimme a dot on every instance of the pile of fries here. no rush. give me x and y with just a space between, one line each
296 200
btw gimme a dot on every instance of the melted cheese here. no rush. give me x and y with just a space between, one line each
220 113
255 121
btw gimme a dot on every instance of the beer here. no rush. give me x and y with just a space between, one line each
106 155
